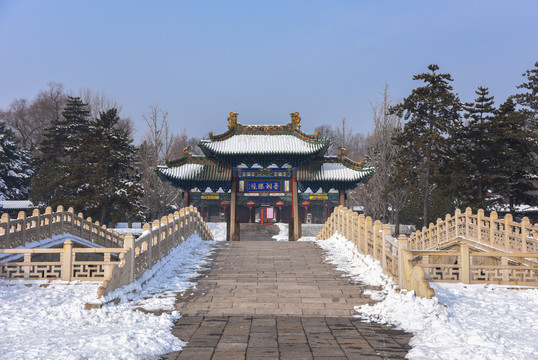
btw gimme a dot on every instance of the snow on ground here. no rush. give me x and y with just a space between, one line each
218 229
283 234
51 323
461 322
307 229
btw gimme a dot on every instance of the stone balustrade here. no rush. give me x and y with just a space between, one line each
115 266
508 250
18 232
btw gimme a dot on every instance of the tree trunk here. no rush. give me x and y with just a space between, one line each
426 195
103 215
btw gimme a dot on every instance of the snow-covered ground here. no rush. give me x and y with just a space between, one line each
283 234
461 322
38 322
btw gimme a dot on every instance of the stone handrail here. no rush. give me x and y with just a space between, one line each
411 263
500 234
371 237
17 232
67 263
155 243
116 266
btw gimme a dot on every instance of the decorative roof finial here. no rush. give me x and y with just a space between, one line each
232 120
296 120
186 150
343 152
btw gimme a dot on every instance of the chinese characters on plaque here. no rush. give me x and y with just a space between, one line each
263 185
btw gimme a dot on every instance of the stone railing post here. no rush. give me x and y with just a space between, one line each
346 224
22 217
48 214
468 216
385 232
479 219
177 238
447 228
67 261
465 264
525 224
367 229
505 273
438 226
375 240
163 236
37 223
27 260
402 261
60 213
130 261
90 228
456 221
507 222
492 227
71 214
5 221
354 229
360 234
155 228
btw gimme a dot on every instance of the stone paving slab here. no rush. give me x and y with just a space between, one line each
279 300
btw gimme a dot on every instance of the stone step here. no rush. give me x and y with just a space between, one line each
257 230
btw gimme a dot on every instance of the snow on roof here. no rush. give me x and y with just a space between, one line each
15 204
195 172
263 144
334 172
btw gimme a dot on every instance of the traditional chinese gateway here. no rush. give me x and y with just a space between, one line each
277 172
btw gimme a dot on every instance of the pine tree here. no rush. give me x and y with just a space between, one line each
529 100
62 137
50 185
104 175
477 143
512 156
432 115
15 169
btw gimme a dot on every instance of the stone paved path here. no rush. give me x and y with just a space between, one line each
279 300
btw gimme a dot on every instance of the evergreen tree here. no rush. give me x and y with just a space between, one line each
50 185
104 176
62 136
15 169
512 156
477 145
529 100
432 115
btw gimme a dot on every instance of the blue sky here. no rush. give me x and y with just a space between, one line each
263 59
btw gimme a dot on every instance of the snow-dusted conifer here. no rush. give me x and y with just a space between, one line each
15 169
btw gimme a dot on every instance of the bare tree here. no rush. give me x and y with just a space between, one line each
158 145
381 154
98 102
342 136
28 119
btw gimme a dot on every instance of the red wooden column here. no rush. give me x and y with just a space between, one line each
295 207
233 203
342 197
188 196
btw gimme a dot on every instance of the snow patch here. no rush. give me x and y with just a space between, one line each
51 323
461 322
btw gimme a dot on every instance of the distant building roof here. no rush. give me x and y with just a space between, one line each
16 204
264 145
